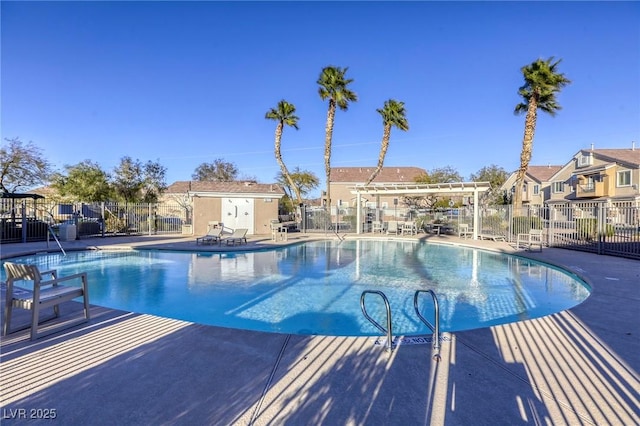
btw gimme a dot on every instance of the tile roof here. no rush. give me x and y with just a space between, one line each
243 187
628 155
542 173
386 175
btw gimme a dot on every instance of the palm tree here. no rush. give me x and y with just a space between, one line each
541 83
333 86
284 114
393 114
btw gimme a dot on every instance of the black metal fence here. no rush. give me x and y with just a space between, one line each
34 220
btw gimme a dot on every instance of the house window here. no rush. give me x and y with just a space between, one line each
536 189
585 160
624 178
557 187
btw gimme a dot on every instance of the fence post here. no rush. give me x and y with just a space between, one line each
601 215
104 219
552 226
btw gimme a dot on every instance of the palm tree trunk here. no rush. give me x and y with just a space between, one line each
386 135
331 113
527 149
283 167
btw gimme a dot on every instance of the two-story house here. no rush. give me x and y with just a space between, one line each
536 189
343 179
611 175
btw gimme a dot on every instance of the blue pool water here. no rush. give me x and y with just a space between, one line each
315 288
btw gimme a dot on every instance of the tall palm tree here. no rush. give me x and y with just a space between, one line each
284 114
333 86
542 82
393 114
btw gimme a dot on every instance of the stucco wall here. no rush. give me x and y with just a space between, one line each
206 209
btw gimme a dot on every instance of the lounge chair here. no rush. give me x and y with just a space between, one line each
45 294
213 235
238 237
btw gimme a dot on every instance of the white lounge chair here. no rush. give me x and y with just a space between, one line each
45 294
213 235
239 236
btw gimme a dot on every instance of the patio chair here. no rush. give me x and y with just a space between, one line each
238 236
213 234
392 227
279 231
464 231
409 228
530 239
44 294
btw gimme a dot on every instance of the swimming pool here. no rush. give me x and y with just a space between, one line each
315 287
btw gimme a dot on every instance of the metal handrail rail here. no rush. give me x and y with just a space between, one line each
434 328
53 234
388 330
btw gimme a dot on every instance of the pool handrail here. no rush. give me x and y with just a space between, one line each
388 331
435 328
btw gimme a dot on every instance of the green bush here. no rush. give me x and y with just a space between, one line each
587 228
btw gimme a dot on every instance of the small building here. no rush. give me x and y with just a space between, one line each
236 204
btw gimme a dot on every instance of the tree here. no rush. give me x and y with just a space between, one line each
128 179
393 114
218 171
333 86
85 181
22 166
304 181
541 84
154 183
445 174
496 176
284 114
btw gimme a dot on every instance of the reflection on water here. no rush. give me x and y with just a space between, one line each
315 288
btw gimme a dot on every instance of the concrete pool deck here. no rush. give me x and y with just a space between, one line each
579 366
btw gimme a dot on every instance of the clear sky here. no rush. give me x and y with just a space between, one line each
184 83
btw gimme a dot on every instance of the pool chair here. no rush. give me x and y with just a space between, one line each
239 236
41 295
213 236
533 238
464 231
392 227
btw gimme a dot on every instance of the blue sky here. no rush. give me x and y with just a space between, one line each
184 83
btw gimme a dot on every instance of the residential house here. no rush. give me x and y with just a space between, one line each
536 189
343 179
611 175
237 204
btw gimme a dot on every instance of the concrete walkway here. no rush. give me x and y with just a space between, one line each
577 367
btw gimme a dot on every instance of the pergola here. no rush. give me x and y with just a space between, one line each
418 189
